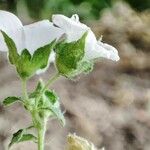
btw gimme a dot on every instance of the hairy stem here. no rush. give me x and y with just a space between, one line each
24 89
41 135
50 81
42 128
39 125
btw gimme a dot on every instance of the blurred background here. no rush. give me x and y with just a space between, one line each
111 105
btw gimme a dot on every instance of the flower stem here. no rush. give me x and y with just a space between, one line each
51 80
41 136
42 128
24 89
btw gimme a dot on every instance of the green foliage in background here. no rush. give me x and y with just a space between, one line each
139 5
87 9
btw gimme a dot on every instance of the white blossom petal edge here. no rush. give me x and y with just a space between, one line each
74 29
31 36
10 24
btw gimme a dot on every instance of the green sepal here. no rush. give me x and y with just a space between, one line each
85 66
27 65
10 100
13 55
69 56
22 136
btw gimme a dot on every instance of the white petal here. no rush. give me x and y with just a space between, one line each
97 52
52 57
113 53
90 42
40 34
71 26
74 29
75 18
103 50
10 24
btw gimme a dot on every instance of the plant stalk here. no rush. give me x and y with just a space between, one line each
50 81
41 135
24 89
42 128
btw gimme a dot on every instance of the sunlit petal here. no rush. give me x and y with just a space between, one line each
40 34
90 42
10 24
74 29
113 53
104 50
71 26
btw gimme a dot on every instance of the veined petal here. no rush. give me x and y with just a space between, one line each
10 24
103 50
71 26
40 34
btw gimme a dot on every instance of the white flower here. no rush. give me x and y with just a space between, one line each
74 29
10 24
31 36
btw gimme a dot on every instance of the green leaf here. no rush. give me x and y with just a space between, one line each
69 56
52 96
58 114
22 136
27 65
10 100
16 137
28 137
48 105
37 90
52 105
